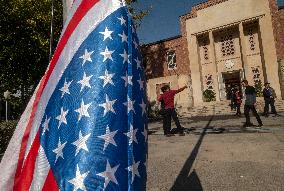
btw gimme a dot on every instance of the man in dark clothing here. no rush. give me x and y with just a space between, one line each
231 95
167 98
250 94
269 99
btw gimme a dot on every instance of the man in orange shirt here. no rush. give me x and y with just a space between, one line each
167 98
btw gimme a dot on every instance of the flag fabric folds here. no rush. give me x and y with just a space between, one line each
85 126
67 5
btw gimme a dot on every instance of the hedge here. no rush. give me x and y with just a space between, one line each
6 132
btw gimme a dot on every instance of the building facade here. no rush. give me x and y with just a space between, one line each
222 42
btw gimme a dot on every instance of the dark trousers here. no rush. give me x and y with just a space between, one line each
233 105
168 115
269 101
246 112
238 105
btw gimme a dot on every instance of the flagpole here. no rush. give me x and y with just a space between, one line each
51 30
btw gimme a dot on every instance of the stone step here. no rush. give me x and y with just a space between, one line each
223 108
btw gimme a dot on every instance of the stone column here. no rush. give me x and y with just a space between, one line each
269 53
213 59
195 70
243 50
281 71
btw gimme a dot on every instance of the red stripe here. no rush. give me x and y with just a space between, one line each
26 177
84 7
25 140
50 183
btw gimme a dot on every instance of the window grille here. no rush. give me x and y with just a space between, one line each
171 58
209 82
256 74
251 39
227 45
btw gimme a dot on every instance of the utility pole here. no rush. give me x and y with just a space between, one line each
51 30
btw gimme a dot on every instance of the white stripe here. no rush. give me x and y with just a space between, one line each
42 168
91 20
9 161
70 14
67 5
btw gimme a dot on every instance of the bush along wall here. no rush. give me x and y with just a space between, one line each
209 95
258 88
6 132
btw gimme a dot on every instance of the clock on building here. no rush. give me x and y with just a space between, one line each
229 64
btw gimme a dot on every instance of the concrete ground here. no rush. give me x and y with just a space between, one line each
218 155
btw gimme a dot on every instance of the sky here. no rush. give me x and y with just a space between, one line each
163 20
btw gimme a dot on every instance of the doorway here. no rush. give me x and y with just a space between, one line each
231 80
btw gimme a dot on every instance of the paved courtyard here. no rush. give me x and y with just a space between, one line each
217 154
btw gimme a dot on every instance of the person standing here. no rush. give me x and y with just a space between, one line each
269 99
230 96
167 98
238 97
250 101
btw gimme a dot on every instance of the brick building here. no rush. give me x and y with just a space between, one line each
221 43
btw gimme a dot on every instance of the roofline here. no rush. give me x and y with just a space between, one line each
194 5
204 1
163 40
184 14
198 6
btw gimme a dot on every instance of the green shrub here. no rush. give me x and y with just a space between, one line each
209 95
153 110
258 88
15 108
6 132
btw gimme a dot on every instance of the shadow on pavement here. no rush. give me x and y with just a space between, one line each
184 181
206 118
192 182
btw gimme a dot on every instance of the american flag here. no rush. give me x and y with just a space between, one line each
85 126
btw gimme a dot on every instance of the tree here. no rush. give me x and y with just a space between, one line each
24 38
138 15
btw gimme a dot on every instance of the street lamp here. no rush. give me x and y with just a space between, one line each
7 96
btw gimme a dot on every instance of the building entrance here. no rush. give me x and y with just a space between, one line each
231 80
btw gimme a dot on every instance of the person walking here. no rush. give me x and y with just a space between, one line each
167 98
250 94
238 101
269 99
